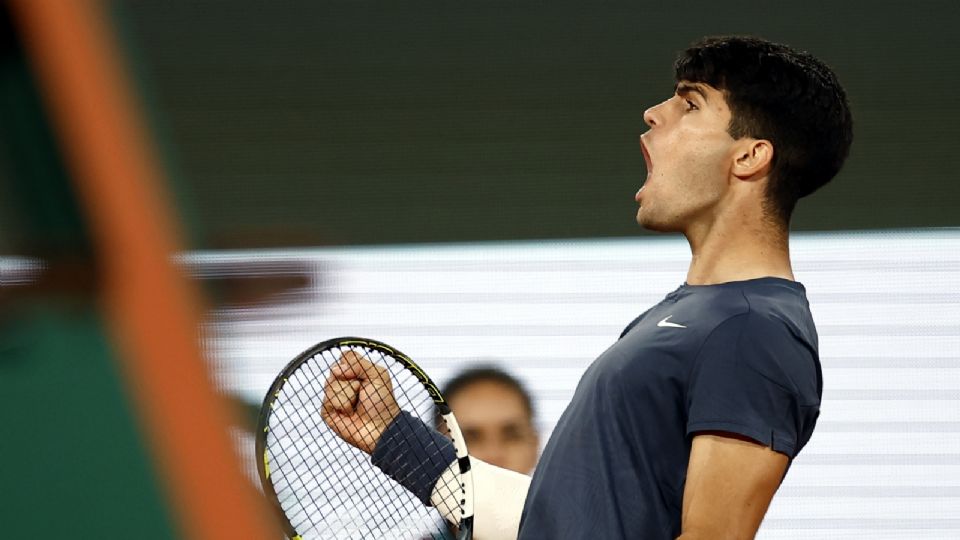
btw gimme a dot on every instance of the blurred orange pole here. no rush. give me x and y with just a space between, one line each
153 310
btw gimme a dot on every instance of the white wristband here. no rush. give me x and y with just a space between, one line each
498 497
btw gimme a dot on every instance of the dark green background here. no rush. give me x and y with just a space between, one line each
313 123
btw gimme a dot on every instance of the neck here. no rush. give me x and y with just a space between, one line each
738 249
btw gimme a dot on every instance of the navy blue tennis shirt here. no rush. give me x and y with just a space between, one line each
739 357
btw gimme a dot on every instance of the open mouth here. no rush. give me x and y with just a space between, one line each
646 157
649 164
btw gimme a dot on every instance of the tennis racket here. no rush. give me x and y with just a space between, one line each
326 488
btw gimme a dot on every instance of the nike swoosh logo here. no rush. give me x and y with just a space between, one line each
664 323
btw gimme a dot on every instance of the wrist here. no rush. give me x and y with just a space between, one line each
413 454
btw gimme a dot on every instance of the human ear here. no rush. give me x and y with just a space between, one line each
754 158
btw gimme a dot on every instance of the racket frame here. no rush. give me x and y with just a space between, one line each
465 527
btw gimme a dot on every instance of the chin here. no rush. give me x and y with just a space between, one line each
651 223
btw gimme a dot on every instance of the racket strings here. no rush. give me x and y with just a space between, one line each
344 461
303 487
329 489
300 426
417 462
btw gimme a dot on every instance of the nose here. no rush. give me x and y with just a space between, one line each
654 116
651 116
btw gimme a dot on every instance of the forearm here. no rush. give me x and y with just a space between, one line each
498 496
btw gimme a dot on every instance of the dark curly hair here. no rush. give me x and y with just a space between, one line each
488 374
782 95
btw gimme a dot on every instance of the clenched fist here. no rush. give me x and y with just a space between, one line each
358 402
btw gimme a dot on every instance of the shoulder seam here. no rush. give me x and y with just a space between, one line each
780 385
696 358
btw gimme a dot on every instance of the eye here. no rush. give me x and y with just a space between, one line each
691 106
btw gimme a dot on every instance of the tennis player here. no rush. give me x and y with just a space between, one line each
685 426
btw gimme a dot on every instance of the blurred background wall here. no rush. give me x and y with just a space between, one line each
343 122
317 123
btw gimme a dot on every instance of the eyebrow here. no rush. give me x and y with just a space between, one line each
686 88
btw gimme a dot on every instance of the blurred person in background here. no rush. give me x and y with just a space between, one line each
495 414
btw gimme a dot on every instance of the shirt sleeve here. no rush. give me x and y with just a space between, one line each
749 378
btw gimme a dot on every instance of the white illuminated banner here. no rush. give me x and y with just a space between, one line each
885 459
